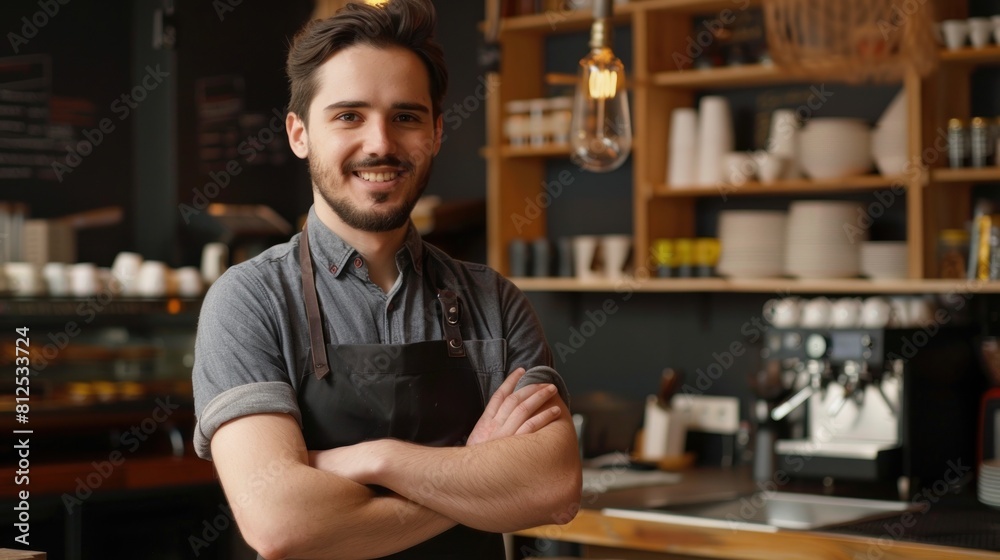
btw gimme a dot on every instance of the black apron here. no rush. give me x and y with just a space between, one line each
423 392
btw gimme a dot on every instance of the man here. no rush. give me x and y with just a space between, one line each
361 393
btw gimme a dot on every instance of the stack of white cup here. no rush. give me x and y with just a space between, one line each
715 138
682 165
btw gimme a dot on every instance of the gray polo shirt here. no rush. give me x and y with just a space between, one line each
252 346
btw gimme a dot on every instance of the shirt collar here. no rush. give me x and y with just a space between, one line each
329 250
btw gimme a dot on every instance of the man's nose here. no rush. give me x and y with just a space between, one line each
378 138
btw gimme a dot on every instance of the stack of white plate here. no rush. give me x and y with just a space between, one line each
884 260
989 482
753 243
823 239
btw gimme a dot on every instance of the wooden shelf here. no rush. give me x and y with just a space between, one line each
966 175
798 186
986 55
550 150
764 285
746 76
566 21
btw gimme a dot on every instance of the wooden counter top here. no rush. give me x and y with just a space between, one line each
592 527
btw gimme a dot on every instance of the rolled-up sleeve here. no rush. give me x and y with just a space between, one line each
238 366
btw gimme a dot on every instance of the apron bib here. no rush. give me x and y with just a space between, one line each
427 393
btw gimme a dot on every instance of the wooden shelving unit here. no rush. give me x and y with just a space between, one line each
550 150
986 55
752 75
763 285
790 187
966 175
660 28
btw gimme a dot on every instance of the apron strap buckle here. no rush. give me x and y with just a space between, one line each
451 317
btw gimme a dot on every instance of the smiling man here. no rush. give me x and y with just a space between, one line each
361 393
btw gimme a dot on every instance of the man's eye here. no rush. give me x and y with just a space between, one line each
407 118
348 117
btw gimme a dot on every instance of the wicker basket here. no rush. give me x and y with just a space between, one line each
856 40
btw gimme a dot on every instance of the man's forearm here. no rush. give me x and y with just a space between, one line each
285 508
367 526
501 485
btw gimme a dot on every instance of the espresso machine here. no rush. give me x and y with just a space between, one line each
873 412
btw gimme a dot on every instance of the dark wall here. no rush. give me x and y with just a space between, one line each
89 46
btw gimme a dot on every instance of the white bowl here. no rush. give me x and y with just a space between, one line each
833 148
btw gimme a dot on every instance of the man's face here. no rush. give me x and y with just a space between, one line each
371 137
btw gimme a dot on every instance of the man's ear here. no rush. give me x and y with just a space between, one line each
438 131
298 136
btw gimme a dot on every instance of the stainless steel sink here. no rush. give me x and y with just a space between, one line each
769 511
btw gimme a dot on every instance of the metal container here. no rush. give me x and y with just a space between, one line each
958 144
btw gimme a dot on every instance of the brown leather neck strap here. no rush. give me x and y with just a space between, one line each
320 363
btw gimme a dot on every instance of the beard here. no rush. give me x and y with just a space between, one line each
326 182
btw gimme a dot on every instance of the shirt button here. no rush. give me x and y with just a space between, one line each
390 307
358 262
333 268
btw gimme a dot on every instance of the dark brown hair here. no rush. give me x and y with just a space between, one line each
405 23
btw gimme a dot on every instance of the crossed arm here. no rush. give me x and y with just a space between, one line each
519 469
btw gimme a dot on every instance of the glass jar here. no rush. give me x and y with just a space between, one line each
953 250
980 142
663 257
684 258
958 143
517 123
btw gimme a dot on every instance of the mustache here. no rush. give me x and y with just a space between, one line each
386 161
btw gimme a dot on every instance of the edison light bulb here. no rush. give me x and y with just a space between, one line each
601 130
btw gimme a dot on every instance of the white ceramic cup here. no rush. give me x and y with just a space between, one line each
125 270
682 166
738 168
189 282
23 279
782 313
770 166
84 280
584 249
57 280
980 30
816 313
152 280
715 138
900 316
214 261
846 313
921 311
955 32
615 249
783 141
876 312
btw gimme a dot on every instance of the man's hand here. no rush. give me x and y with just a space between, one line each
512 412
358 462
